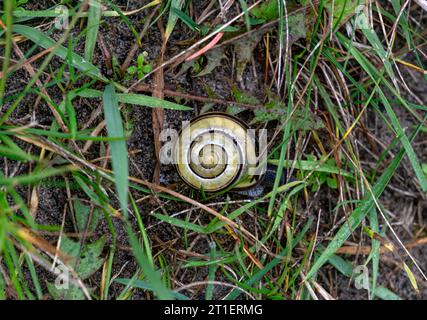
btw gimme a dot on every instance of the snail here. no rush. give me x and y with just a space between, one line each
216 151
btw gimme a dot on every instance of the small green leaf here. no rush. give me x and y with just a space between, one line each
90 260
214 57
147 68
132 70
72 293
332 183
85 266
70 247
82 215
342 10
267 10
140 60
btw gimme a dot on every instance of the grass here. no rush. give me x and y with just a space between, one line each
336 101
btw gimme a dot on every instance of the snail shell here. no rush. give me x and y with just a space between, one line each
216 151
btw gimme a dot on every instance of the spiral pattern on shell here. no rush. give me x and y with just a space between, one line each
214 152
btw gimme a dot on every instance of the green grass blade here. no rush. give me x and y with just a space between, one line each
8 6
46 42
34 276
120 167
125 19
93 22
378 48
186 19
173 17
273 263
2 288
119 153
13 271
375 75
72 117
33 177
146 286
156 283
180 223
411 277
136 99
145 238
308 165
386 294
405 142
358 215
211 275
375 251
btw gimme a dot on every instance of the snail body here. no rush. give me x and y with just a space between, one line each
216 151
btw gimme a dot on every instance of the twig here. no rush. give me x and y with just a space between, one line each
172 93
158 114
365 250
34 58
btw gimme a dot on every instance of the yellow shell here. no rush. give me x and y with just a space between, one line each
215 151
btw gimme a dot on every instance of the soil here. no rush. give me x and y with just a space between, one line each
403 202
